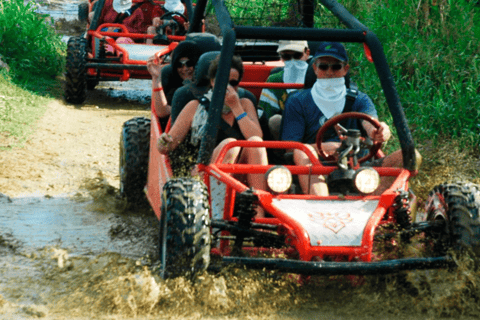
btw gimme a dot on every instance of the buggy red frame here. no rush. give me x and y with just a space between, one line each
89 61
325 235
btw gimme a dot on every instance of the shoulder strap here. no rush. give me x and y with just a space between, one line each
352 93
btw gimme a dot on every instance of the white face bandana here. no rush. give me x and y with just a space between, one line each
329 95
294 72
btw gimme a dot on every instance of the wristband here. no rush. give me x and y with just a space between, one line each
240 117
158 89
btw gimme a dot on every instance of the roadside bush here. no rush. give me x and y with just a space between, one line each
28 42
434 54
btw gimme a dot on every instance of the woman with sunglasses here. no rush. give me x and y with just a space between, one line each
239 121
307 110
182 66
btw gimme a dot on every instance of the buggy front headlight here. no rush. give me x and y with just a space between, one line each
366 180
279 179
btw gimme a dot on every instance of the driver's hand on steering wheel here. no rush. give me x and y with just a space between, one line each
382 134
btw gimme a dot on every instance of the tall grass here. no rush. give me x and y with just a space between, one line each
28 42
35 55
434 52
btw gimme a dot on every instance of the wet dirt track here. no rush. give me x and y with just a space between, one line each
70 250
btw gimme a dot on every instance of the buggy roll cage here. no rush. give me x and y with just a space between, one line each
357 32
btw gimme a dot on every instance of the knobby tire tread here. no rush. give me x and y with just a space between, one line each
186 208
76 71
462 206
134 156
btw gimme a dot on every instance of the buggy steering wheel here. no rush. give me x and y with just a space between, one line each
333 122
169 15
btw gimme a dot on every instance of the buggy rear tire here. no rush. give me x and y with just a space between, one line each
76 70
184 242
134 154
458 205
83 11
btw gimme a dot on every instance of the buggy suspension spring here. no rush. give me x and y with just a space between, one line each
245 210
401 211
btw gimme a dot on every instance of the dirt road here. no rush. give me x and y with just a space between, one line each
69 145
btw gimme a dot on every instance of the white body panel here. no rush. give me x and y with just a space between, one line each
330 222
140 52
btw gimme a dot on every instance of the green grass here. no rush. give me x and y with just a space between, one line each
19 110
28 42
434 53
35 56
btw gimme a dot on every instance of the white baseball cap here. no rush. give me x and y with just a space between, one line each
174 5
121 5
298 46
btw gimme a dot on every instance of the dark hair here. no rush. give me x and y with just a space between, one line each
237 64
171 80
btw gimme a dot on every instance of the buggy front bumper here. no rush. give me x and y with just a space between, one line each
342 268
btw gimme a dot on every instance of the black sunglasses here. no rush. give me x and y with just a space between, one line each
326 66
187 63
234 82
289 56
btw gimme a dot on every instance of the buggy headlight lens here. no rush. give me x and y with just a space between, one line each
366 180
279 179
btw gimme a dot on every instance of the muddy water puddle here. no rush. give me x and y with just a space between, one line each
39 222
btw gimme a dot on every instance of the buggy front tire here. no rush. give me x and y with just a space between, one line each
134 155
184 242
457 205
76 70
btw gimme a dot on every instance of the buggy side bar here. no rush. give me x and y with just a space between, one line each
341 268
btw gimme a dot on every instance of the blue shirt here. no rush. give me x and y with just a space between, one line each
302 118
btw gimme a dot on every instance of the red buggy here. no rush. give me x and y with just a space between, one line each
97 56
335 234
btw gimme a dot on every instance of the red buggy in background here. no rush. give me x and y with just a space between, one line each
96 56
322 235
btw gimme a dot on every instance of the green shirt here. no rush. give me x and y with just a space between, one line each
272 101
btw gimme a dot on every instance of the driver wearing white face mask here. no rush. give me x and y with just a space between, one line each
306 111
294 54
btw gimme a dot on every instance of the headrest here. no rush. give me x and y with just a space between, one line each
206 41
310 76
201 69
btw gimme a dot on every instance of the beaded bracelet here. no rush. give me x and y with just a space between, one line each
158 89
240 117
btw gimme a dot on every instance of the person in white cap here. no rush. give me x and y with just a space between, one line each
272 101
175 6
122 12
